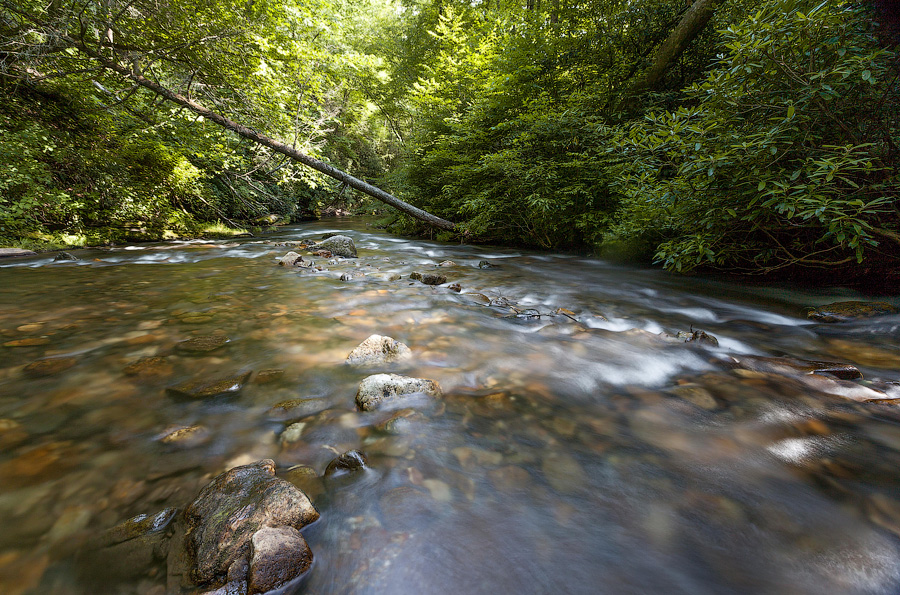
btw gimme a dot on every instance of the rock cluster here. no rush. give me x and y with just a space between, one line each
243 531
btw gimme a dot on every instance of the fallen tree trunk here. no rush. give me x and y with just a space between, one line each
263 140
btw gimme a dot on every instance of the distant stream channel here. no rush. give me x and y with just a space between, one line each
576 449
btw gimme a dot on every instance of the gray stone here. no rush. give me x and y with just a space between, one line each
290 259
378 350
278 556
338 245
387 390
233 507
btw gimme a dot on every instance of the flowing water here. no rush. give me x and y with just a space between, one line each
572 452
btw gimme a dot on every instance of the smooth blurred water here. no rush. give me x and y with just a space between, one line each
577 453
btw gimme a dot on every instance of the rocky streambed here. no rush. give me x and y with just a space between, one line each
372 414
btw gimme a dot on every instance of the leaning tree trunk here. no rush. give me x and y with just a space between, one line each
688 28
264 140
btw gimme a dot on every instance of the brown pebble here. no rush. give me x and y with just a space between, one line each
49 366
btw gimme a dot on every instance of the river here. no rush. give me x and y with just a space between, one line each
573 451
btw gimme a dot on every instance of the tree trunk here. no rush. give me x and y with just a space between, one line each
264 140
688 28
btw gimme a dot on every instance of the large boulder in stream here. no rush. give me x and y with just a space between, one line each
389 391
243 530
844 311
378 349
342 246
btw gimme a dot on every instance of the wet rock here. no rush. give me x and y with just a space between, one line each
455 287
433 279
478 298
62 256
695 394
387 390
290 259
14 252
297 408
293 432
792 366
379 350
130 549
268 376
447 263
323 253
349 462
204 388
306 479
414 276
700 337
49 366
400 422
483 264
149 367
277 556
844 311
184 435
227 513
342 246
203 344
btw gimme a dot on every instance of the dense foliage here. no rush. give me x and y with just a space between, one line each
768 144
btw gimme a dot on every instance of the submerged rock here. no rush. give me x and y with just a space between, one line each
844 311
130 549
229 512
342 246
378 350
62 256
49 366
149 367
483 264
386 390
204 388
203 344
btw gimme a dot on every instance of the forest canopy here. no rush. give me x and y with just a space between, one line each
745 136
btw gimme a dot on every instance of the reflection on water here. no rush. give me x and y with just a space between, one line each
573 452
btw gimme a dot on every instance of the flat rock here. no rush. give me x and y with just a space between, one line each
278 556
233 507
149 367
49 366
844 311
342 246
378 350
13 252
204 388
203 344
384 390
268 376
